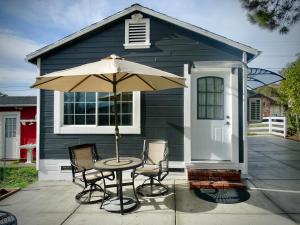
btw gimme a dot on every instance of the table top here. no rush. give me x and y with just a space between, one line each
111 164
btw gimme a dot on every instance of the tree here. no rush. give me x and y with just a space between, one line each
2 94
273 14
290 90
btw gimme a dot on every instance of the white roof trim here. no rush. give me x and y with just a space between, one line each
149 12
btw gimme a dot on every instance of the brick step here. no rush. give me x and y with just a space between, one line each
196 184
214 175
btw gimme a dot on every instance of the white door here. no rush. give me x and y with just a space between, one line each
10 137
211 116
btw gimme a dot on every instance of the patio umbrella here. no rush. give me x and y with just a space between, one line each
111 74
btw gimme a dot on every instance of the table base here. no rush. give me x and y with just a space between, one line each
113 204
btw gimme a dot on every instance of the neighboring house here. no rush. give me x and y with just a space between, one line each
17 126
263 105
205 123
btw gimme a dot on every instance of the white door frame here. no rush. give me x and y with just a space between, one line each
211 66
2 132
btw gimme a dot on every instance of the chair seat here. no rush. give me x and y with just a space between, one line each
148 170
92 175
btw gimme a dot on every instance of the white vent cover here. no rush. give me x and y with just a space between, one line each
137 32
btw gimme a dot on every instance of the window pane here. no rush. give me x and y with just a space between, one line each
90 97
102 96
69 108
219 99
202 85
127 107
103 120
103 107
210 84
91 119
68 97
127 120
201 112
68 119
79 119
127 96
112 119
218 85
90 108
219 112
201 98
79 108
210 112
210 99
79 96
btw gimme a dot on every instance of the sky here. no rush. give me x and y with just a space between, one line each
27 25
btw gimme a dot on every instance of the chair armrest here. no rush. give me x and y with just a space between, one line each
81 168
160 164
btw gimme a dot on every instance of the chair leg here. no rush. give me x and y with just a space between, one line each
151 185
134 191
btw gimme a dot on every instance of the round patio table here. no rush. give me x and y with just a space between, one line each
120 203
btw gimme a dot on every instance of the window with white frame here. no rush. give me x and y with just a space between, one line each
255 110
137 32
87 112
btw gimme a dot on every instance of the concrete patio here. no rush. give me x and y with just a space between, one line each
274 186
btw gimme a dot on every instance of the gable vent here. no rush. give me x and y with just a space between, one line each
137 32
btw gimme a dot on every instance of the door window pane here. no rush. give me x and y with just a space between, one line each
210 98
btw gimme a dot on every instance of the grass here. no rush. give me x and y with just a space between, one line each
17 177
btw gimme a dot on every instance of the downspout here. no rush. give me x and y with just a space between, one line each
38 105
245 104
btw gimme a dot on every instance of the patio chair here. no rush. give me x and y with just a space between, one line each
82 159
155 167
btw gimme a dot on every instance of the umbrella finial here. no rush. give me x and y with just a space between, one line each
113 56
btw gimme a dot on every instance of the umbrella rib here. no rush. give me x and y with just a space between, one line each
125 78
154 89
35 85
80 82
102 77
174 81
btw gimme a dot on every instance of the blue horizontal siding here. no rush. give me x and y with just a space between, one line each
161 112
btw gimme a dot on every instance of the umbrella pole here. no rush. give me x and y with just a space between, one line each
117 134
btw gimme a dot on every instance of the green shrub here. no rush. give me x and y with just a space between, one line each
17 177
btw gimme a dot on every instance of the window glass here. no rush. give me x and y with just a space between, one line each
210 98
106 109
79 108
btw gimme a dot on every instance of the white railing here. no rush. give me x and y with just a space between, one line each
269 125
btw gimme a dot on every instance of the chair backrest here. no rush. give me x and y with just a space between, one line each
155 151
84 156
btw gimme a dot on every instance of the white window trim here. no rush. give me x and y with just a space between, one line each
147 43
60 128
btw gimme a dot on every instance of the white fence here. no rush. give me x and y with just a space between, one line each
269 125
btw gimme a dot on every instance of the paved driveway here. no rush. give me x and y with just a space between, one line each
274 171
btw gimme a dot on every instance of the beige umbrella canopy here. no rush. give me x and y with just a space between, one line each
111 74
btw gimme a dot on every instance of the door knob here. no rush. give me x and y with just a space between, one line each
227 123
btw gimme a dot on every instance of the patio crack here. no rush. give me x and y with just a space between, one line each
72 213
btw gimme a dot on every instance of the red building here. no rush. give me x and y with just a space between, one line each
17 126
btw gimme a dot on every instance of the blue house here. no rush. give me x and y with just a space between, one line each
205 123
